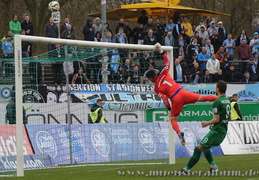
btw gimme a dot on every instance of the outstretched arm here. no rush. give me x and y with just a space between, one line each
164 55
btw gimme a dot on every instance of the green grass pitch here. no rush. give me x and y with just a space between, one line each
243 163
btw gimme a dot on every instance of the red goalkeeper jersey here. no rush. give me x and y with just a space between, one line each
165 86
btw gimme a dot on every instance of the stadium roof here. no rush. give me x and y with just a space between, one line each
132 11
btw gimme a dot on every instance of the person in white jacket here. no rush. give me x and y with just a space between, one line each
213 65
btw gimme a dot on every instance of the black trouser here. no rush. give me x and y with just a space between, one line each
57 70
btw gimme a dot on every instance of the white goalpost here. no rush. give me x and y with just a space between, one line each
19 85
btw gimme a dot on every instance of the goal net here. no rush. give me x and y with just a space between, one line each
49 105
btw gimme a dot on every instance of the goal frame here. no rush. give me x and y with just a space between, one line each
19 92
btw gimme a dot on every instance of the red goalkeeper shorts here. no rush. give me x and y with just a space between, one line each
180 99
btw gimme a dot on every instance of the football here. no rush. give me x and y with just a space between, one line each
54 6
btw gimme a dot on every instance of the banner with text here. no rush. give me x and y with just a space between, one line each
8 141
242 138
35 161
113 142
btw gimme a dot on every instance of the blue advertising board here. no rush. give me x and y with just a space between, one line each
193 133
113 141
33 161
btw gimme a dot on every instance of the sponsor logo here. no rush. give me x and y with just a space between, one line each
191 141
100 143
31 96
46 143
147 141
6 92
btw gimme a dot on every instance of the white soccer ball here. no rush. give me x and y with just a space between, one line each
54 6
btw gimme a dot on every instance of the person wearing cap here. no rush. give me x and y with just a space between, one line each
212 27
96 113
254 43
177 29
203 57
236 114
98 27
229 44
187 26
203 34
222 32
252 69
190 62
198 28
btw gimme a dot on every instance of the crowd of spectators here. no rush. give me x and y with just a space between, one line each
202 54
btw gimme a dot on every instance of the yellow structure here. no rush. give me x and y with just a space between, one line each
156 8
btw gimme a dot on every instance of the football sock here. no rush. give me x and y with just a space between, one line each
208 98
175 126
209 157
194 159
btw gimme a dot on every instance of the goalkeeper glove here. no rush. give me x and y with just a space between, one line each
158 48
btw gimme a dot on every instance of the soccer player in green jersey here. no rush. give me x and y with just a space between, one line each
219 126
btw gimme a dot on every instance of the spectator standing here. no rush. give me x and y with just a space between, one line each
143 18
98 25
187 26
27 25
198 28
209 47
65 24
179 70
121 38
150 25
68 33
15 25
243 54
169 40
51 30
96 113
212 27
150 39
177 29
120 25
215 40
235 114
98 37
192 48
222 32
203 57
80 77
169 26
229 45
254 43
26 46
88 31
160 31
128 31
241 37
203 34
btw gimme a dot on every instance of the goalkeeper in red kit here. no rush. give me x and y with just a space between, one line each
168 89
